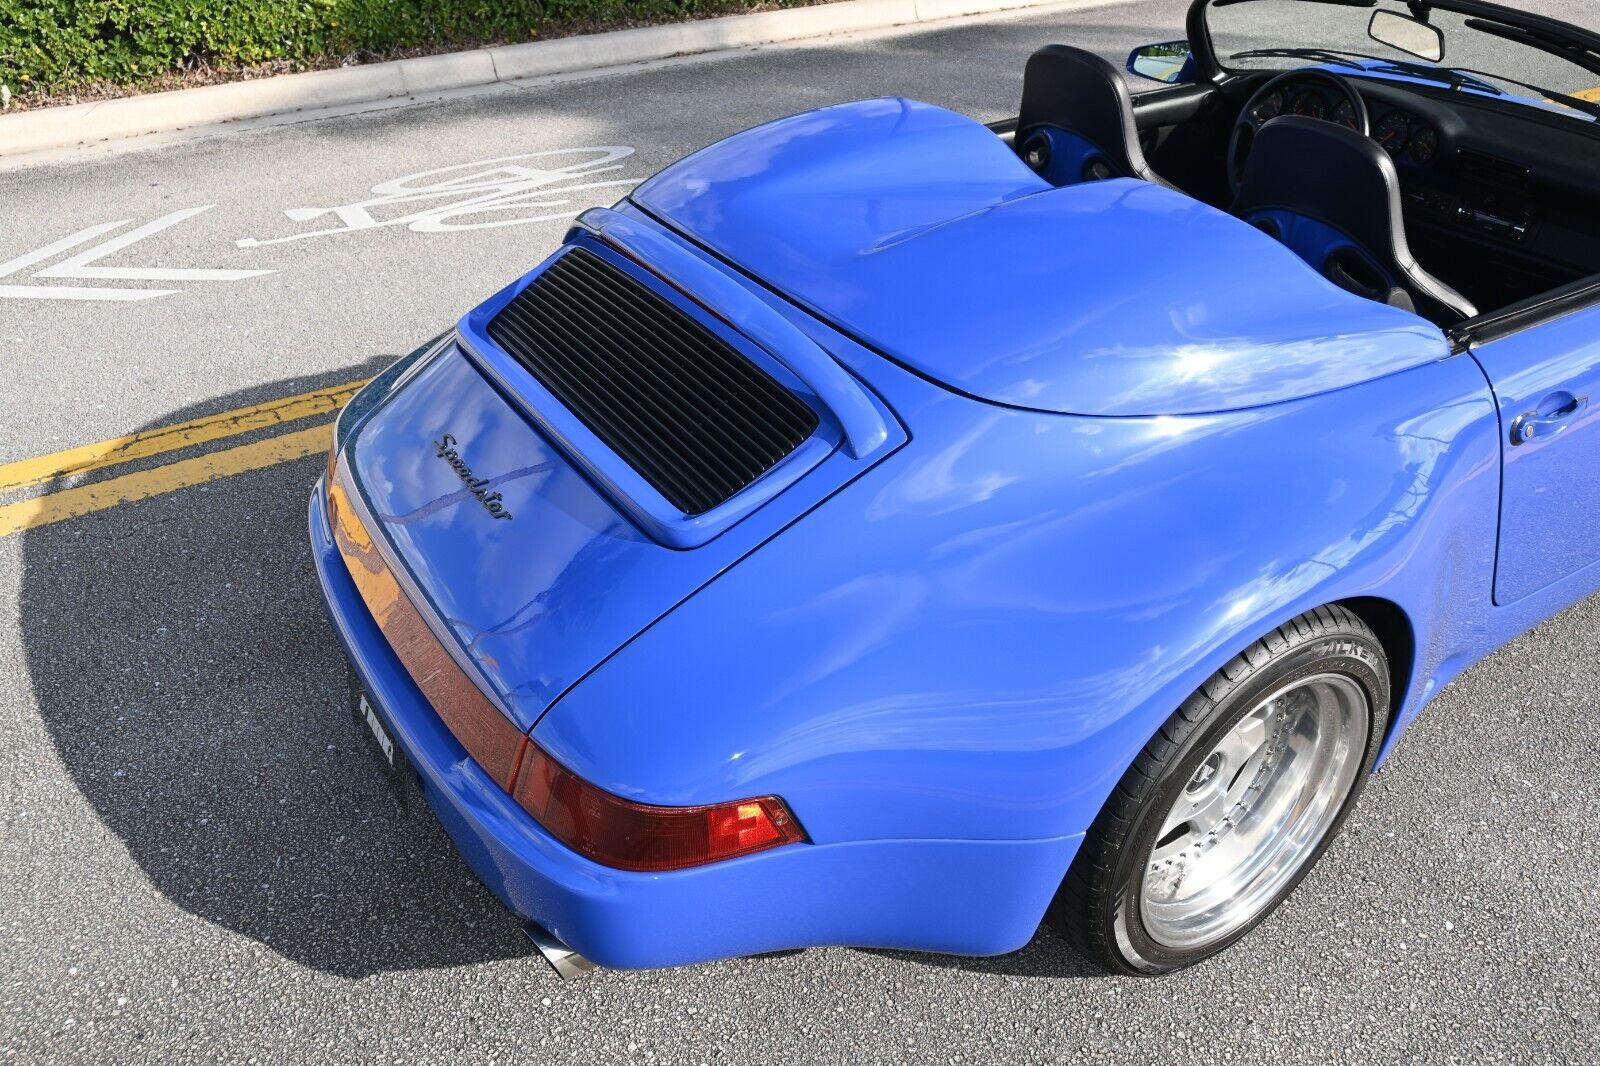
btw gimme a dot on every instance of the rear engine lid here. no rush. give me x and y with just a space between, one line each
522 546
920 232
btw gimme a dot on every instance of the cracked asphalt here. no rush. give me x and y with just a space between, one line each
200 860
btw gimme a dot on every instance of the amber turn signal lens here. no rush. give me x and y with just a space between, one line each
488 736
616 832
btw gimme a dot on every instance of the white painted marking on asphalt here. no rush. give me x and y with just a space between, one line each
77 266
483 188
27 259
77 292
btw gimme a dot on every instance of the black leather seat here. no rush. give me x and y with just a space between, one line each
1076 120
1333 196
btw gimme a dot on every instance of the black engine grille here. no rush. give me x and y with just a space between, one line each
695 418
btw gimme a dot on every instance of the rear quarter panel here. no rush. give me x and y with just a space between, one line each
973 641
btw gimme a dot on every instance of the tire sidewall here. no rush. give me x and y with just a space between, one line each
1354 655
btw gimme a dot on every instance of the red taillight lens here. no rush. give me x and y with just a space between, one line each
635 836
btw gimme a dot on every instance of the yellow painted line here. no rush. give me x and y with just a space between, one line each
86 499
142 445
1592 95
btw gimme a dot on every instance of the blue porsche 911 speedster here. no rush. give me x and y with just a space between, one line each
885 529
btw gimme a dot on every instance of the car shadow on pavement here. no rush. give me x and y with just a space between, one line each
183 666
1046 955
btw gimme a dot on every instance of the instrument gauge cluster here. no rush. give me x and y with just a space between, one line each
1405 136
1310 104
1424 144
1393 132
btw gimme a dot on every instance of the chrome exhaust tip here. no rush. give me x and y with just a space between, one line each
566 962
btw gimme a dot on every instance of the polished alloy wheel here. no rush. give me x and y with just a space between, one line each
1253 811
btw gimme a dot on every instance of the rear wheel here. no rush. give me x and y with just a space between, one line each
1230 804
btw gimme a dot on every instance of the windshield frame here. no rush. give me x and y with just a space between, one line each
1210 68
1499 323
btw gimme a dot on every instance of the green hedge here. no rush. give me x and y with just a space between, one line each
51 45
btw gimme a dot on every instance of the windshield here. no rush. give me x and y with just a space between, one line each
1279 34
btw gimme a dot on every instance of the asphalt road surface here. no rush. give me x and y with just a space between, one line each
199 859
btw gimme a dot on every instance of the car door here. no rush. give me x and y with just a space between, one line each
1546 380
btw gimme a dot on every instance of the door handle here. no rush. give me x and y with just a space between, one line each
1554 413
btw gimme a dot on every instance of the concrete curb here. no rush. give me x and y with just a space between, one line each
58 127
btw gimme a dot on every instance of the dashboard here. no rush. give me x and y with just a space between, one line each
1401 133
1501 200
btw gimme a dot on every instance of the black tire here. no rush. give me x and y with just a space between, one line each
1097 906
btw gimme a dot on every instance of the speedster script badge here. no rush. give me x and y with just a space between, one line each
445 448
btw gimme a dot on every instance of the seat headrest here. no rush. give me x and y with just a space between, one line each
1084 94
1078 91
1326 172
1343 179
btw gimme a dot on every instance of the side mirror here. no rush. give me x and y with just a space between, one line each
1412 36
1170 62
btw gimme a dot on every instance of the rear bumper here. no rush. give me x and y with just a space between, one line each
958 896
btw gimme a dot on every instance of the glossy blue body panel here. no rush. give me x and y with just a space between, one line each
1110 297
537 600
944 655
977 640
1549 514
872 894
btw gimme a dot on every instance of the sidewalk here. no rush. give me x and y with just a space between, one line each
430 77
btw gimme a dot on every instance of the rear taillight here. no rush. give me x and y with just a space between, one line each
635 836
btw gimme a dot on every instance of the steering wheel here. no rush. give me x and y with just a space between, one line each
1252 117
